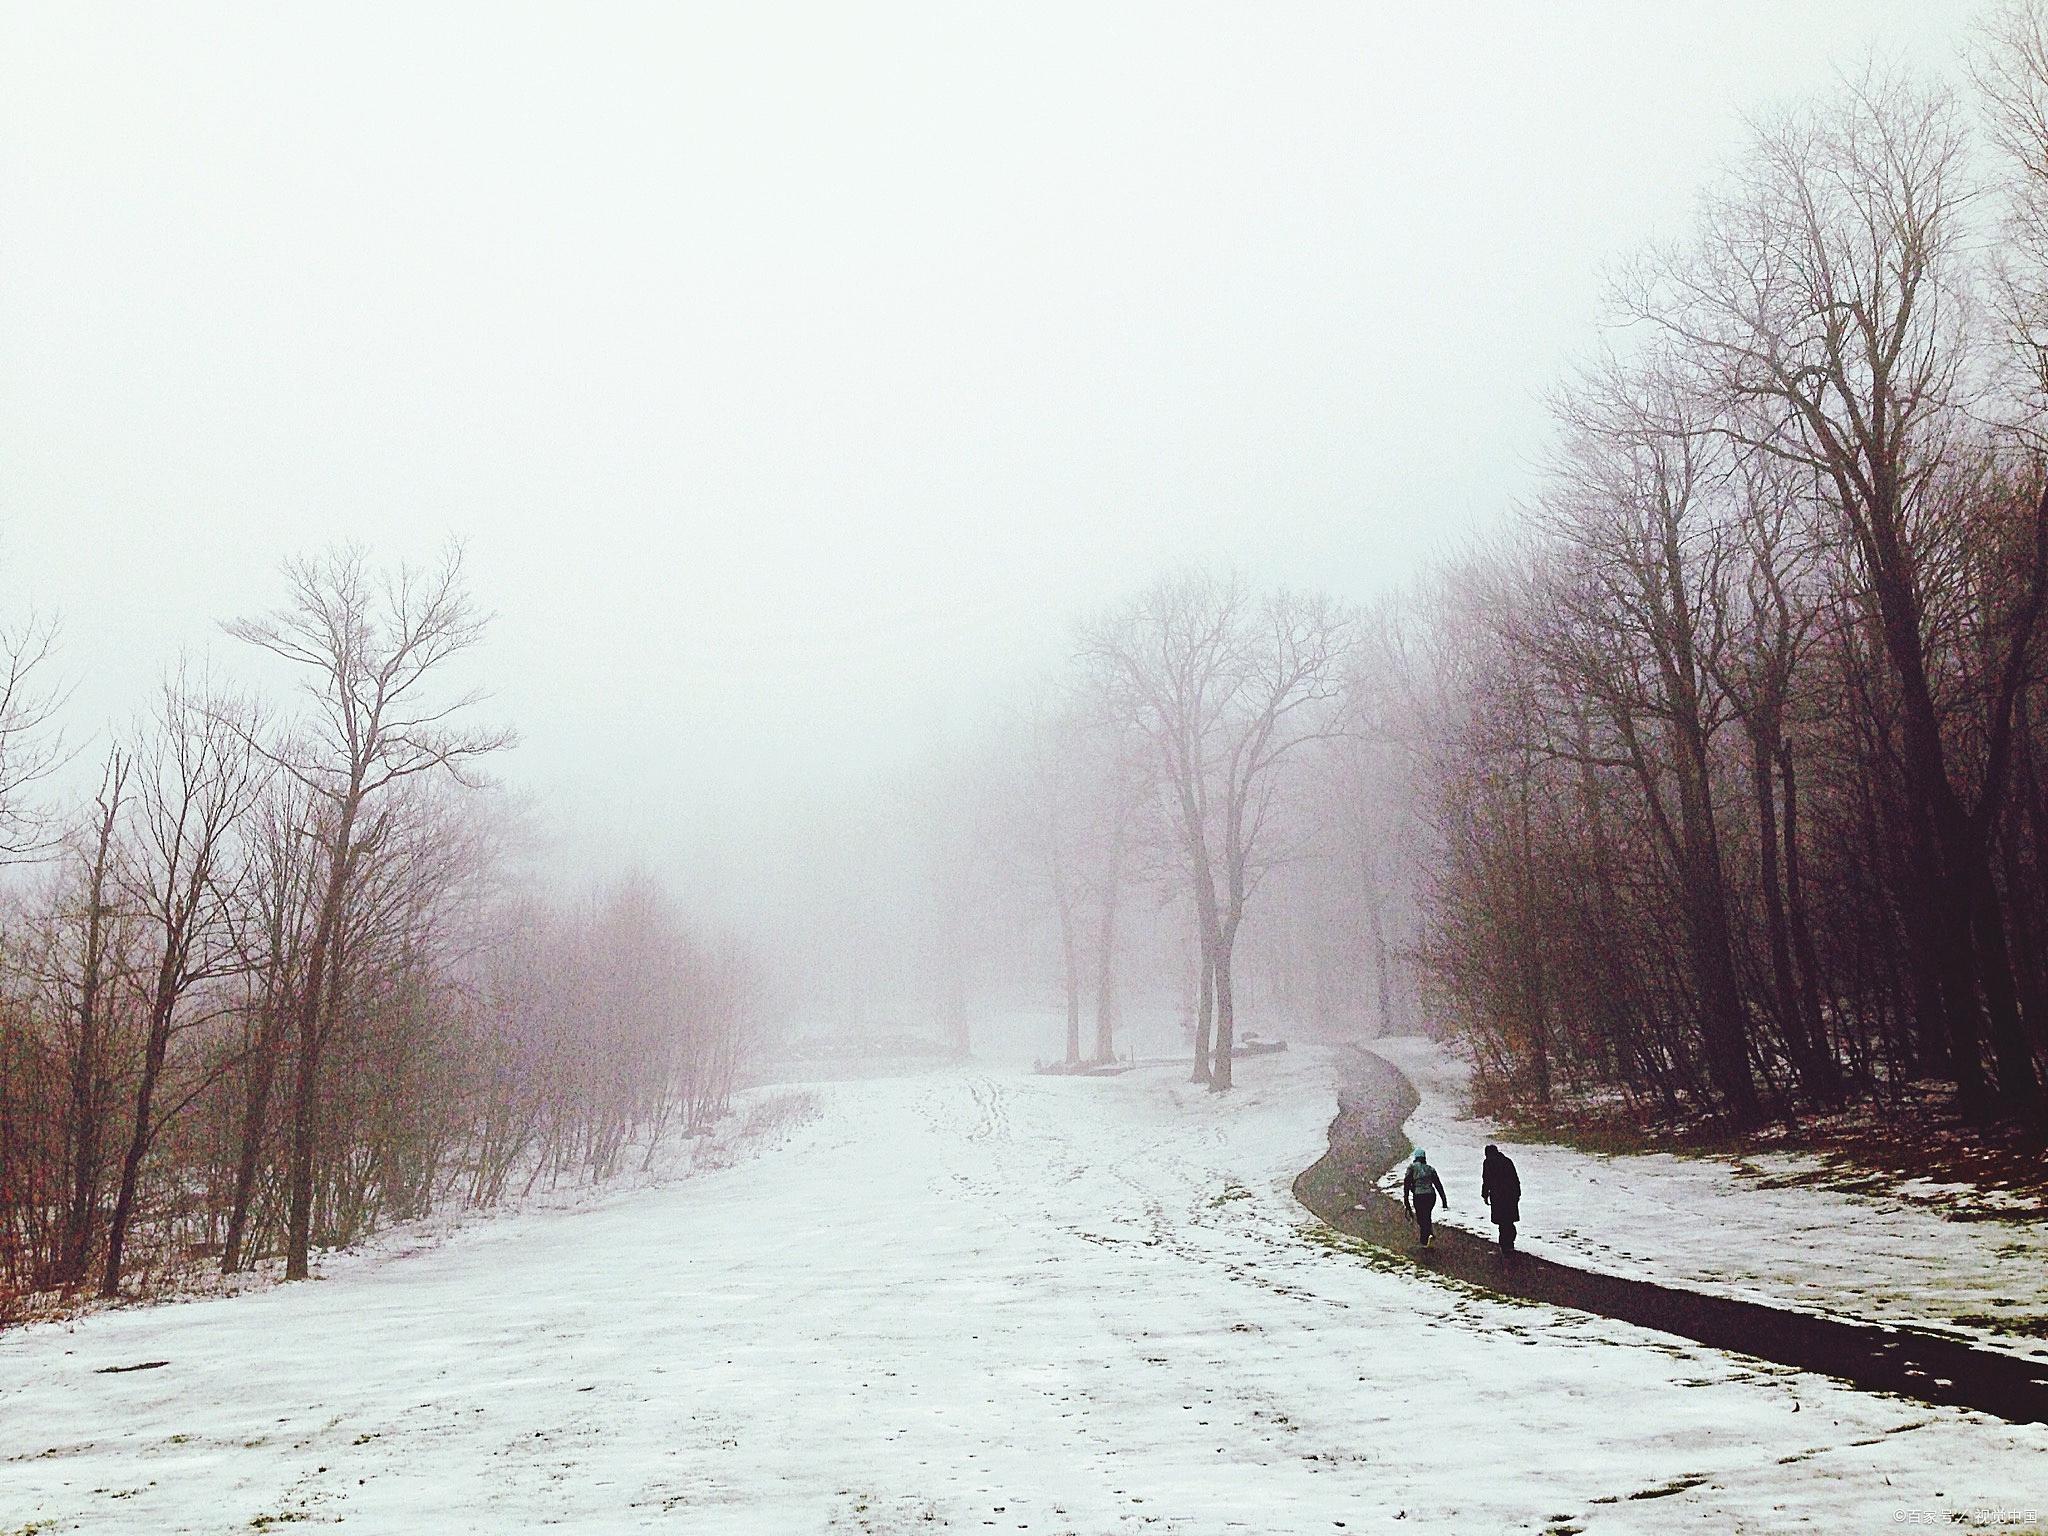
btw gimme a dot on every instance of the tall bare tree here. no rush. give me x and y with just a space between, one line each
88 982
1223 687
1637 602
197 779
374 651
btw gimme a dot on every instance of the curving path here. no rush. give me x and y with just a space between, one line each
1366 1140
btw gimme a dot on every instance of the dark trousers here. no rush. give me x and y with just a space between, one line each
1507 1236
1425 1212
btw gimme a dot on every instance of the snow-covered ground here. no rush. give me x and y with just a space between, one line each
1736 1228
969 1300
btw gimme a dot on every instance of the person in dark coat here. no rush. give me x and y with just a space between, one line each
1501 1188
1420 1191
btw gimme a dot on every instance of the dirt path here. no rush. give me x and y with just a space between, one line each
1366 1139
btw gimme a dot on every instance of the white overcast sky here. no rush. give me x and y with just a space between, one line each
796 373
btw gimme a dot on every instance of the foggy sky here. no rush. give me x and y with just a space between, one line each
796 373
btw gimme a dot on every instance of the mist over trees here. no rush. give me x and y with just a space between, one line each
281 981
1733 747
1145 802
1713 784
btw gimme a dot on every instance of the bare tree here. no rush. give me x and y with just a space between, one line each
1050 806
1636 608
1367 805
280 885
88 982
29 745
1069 795
1124 800
1769 617
198 777
1223 688
372 649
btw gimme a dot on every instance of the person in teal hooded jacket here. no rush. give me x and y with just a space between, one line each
1420 1191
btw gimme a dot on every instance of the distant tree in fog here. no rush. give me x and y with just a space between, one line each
1361 830
1051 805
1224 688
1073 804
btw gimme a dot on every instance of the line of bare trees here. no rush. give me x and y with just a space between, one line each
273 987
1735 751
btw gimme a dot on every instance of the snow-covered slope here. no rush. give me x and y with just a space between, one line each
967 1301
1742 1229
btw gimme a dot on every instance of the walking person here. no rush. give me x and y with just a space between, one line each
1420 1191
1501 1188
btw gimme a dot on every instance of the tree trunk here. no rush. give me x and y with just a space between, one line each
1383 978
1948 916
2036 849
299 1211
1808 1052
1070 954
1107 1011
2019 1089
85 1151
1536 1018
1535 1006
1704 898
314 1006
85 1075
255 1112
2024 944
1945 890
1800 926
139 1137
1220 1072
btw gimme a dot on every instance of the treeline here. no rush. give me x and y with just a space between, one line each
1734 753
275 987
1718 784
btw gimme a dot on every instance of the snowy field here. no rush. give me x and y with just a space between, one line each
971 1300
1716 1224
